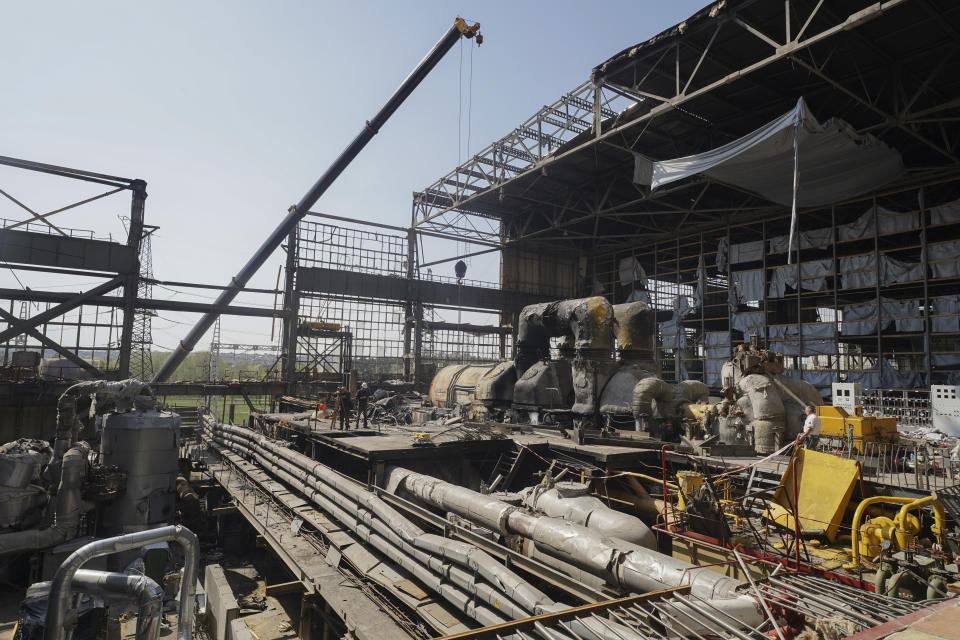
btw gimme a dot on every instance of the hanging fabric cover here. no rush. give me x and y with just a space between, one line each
835 162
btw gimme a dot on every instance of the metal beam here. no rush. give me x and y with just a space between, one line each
152 304
851 22
73 301
132 284
51 344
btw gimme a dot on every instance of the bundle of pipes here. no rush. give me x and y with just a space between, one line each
627 565
452 569
462 574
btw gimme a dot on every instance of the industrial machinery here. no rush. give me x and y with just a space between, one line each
54 496
853 430
762 407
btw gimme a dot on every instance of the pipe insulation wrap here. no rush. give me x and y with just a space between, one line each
627 565
144 592
447 567
58 625
590 512
119 395
66 518
649 390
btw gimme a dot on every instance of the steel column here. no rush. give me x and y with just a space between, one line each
132 283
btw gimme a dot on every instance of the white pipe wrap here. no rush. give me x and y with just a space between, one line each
73 469
422 554
648 390
627 565
590 512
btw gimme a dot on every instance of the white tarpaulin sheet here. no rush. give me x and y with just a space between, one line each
835 162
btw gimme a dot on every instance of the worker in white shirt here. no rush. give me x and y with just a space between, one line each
811 428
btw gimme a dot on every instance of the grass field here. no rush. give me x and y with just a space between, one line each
222 406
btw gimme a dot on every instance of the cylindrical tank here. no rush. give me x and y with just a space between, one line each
144 446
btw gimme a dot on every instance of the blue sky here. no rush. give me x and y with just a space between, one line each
231 110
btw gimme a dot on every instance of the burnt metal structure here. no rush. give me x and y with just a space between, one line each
563 182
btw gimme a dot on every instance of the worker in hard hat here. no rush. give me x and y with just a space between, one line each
363 399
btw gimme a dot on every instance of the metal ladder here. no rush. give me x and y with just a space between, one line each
506 468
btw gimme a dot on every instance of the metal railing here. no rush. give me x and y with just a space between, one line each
919 466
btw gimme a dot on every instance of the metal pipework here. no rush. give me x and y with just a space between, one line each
900 520
73 469
61 619
568 501
447 567
146 593
122 395
627 565
298 211
588 320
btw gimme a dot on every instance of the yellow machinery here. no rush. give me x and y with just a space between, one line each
900 530
319 325
823 485
855 429
689 482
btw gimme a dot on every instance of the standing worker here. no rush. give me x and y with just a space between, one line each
337 408
811 429
363 397
346 405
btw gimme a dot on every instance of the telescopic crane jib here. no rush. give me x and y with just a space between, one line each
298 211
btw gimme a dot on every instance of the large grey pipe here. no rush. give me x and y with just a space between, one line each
762 405
588 320
590 512
73 469
648 390
144 592
622 563
445 566
60 622
297 212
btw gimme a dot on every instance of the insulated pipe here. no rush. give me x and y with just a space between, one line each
636 330
146 593
588 320
389 532
73 469
590 512
120 394
454 585
627 565
692 391
298 211
364 512
763 405
60 627
646 391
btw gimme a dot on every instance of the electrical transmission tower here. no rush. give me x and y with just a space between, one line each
214 356
141 360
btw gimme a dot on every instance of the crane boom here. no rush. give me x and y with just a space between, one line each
297 212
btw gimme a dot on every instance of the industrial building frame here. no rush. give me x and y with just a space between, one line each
556 198
563 181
